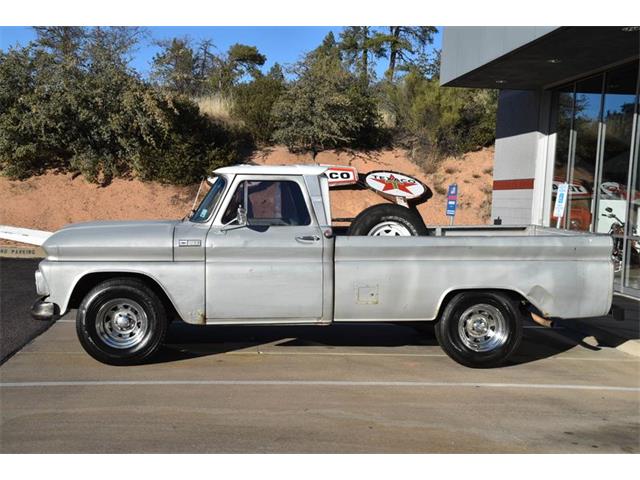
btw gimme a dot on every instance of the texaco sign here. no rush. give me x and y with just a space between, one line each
395 184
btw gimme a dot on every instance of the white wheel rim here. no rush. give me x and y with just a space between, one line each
389 229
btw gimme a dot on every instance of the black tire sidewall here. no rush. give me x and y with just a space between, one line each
86 324
372 216
449 337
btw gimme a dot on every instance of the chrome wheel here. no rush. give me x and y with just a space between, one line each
482 328
121 323
389 229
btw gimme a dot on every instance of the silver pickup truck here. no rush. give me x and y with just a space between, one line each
261 249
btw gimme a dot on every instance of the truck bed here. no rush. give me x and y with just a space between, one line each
406 278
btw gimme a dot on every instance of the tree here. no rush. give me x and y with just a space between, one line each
326 107
174 68
63 43
361 46
404 43
240 60
205 60
112 45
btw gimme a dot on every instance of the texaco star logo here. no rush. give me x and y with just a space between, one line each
393 183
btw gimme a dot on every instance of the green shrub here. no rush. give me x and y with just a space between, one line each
191 147
254 102
102 121
436 121
326 107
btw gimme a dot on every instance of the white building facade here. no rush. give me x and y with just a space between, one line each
567 113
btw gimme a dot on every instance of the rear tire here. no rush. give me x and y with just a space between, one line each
388 219
121 322
480 329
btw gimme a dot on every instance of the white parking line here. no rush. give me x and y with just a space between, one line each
318 383
358 354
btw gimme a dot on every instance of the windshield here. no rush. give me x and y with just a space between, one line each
203 212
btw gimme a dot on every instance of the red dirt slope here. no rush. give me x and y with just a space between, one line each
49 201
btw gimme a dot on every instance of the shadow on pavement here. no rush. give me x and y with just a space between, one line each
190 341
186 341
614 330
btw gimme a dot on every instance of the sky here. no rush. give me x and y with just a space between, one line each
280 44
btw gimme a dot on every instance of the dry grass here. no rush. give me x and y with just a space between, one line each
440 189
216 106
388 118
451 170
426 159
485 210
488 171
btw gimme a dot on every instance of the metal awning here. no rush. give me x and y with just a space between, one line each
560 56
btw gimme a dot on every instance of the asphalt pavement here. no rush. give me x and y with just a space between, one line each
343 388
17 294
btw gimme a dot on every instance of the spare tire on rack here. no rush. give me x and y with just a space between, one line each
388 220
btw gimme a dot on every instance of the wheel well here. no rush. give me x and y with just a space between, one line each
515 296
90 280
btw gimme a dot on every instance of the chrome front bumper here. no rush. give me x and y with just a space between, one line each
43 310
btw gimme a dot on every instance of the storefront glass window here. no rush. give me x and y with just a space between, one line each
632 270
597 154
564 103
582 177
618 111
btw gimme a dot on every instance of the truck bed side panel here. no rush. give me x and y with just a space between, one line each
406 278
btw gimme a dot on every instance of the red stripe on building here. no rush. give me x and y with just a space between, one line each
516 184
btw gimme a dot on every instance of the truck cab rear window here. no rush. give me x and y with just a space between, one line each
268 203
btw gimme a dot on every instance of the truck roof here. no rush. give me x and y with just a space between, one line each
273 169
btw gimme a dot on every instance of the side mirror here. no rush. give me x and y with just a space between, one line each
239 221
241 216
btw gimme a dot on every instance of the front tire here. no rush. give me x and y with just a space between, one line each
121 322
480 329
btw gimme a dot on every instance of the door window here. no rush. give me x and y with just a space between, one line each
269 203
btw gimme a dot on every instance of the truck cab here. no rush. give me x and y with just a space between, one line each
262 236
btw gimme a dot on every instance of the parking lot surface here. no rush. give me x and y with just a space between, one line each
17 294
344 388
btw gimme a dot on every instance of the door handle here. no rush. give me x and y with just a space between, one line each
308 239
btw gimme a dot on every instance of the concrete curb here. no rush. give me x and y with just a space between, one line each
9 251
631 347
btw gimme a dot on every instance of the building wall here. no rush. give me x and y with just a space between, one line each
520 158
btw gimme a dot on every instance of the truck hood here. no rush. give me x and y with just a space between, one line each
116 241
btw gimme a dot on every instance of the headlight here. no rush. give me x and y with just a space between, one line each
41 284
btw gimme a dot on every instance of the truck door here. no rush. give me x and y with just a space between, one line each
271 270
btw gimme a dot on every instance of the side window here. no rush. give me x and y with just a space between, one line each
270 203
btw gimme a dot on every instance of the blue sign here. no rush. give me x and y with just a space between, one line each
452 199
